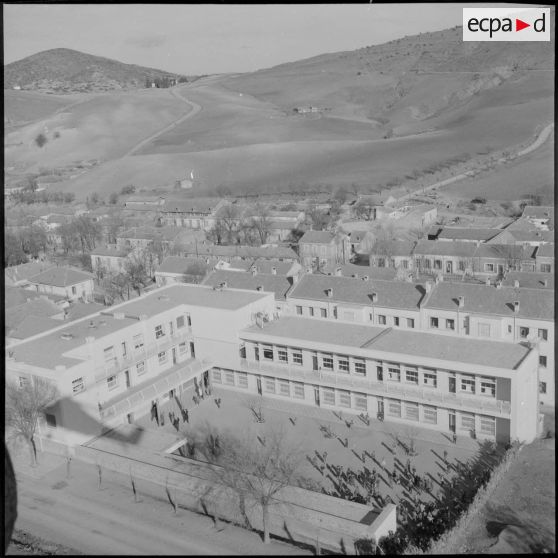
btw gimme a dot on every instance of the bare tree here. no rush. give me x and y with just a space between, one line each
227 223
260 222
136 271
25 403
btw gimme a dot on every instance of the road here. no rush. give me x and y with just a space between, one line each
195 110
75 513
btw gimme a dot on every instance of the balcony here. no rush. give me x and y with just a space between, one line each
408 392
148 350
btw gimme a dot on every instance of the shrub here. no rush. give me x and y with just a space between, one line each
40 140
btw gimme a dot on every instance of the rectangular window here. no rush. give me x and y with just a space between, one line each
159 331
427 264
74 290
343 364
188 319
282 355
394 408
488 386
396 321
468 384
162 356
50 420
299 310
298 390
284 388
546 268
371 317
542 387
268 352
78 385
328 396
509 328
523 332
467 422
182 348
394 374
124 351
430 379
361 402
488 425
180 322
140 367
269 385
461 265
484 330
434 322
323 312
411 376
450 324
311 310
217 376
405 264
543 334
112 382
381 320
242 378
344 398
489 267
360 368
437 264
542 361
410 323
138 341
297 358
229 377
327 362
412 411
430 414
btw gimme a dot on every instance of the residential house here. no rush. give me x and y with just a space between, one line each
432 257
529 280
140 202
142 237
192 213
39 308
64 281
544 258
109 258
178 269
392 253
361 241
321 248
235 253
523 237
359 271
467 235
495 259
18 275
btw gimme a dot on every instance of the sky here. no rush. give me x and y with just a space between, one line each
206 39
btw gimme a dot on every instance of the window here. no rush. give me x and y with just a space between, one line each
344 398
74 290
140 367
298 390
343 364
461 265
405 264
430 379
523 332
327 362
371 317
411 411
543 334
162 356
159 331
182 348
450 324
78 385
124 351
396 321
299 310
394 374
468 384
268 352
546 268
484 330
509 328
381 262
242 379
50 420
112 382
434 322
311 310
411 376
430 414
427 264
437 264
282 355
297 358
23 381
361 402
382 320
189 319
217 376
229 377
360 368
489 267
180 322
542 361
394 408
488 425
328 396
269 385
323 312
410 323
467 422
542 387
284 388
138 341
488 386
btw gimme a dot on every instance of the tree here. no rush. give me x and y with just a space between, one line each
127 190
69 197
116 287
136 272
34 240
25 404
113 198
340 195
363 210
13 251
319 218
41 140
227 223
260 222
195 272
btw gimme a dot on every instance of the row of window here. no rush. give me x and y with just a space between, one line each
348 315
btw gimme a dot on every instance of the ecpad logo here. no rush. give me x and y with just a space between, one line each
504 24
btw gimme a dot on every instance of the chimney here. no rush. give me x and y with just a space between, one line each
428 286
374 297
273 271
329 293
516 283
461 301
516 306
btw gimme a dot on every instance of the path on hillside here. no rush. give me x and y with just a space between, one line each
195 109
541 138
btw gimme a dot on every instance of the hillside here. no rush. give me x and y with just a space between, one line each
65 70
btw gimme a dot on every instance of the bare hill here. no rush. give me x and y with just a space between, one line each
66 70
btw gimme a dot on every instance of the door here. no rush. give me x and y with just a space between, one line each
449 267
317 395
171 327
314 362
127 376
500 269
452 384
259 381
380 373
192 351
452 422
380 406
174 355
